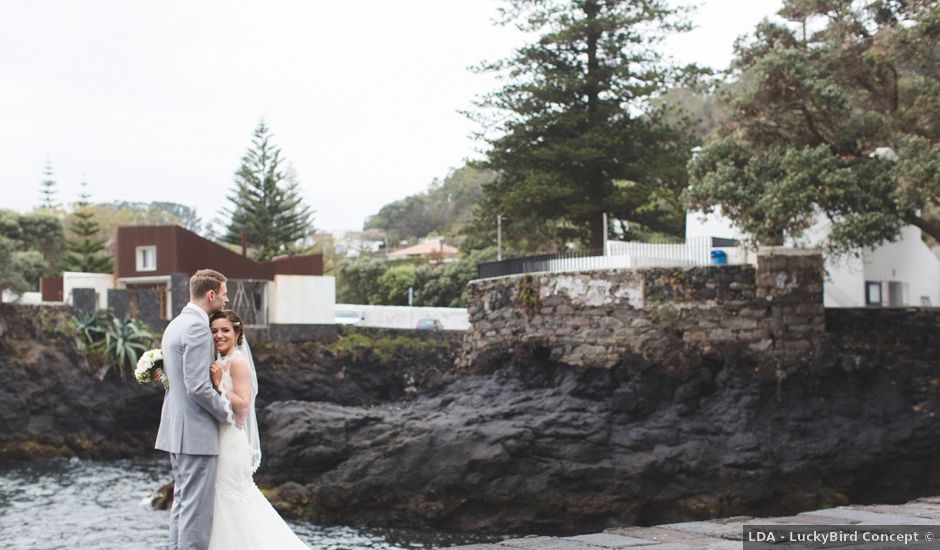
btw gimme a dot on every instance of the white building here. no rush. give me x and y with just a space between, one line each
901 273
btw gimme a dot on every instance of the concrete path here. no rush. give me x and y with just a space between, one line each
725 533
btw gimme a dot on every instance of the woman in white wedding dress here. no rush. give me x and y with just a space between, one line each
243 518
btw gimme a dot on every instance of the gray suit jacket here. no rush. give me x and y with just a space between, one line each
192 409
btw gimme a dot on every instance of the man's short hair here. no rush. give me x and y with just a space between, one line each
205 280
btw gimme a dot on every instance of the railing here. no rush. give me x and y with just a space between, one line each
695 251
575 261
620 255
512 266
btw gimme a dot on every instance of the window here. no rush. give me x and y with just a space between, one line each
873 293
146 258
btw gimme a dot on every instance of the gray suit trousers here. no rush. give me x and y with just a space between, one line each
193 501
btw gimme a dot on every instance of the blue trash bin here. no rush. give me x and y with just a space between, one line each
719 257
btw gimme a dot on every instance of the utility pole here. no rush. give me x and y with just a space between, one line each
499 237
605 232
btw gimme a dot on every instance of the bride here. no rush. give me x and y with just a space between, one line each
243 518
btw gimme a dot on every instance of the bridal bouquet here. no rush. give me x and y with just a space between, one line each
151 363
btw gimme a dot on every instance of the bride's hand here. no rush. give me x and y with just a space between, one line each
215 373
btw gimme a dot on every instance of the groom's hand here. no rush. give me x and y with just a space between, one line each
215 373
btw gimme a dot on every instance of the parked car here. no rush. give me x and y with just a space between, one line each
429 324
347 316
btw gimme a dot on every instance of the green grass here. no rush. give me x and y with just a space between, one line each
387 348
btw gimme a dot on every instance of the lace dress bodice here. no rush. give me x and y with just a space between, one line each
234 469
242 518
226 362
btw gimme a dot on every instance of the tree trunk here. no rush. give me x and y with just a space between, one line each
597 232
927 227
591 88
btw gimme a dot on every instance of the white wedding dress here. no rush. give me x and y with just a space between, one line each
243 518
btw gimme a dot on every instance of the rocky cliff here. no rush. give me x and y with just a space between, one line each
53 403
533 446
616 397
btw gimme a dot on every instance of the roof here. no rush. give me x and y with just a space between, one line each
427 248
182 251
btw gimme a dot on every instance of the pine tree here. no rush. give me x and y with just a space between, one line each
47 188
86 253
577 133
267 202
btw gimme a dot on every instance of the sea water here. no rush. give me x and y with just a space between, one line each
105 505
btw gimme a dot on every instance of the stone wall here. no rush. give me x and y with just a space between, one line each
147 304
179 293
905 339
84 299
599 317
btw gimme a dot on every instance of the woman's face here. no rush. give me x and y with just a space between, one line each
224 336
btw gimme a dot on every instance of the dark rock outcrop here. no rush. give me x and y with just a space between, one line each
162 499
53 403
360 369
538 447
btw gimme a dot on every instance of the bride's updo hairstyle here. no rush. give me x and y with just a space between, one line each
233 318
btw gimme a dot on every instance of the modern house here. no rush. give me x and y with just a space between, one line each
153 264
283 291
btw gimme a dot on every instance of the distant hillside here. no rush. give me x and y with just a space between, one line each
441 210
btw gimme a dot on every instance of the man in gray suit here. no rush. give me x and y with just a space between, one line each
192 411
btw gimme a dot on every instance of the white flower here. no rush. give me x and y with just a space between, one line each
147 363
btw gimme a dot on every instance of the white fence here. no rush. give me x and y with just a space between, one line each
26 298
695 251
626 255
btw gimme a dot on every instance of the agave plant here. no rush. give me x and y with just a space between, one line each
124 341
90 325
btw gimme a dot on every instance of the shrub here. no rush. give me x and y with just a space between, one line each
124 341
112 341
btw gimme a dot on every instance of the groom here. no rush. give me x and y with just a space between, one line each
192 411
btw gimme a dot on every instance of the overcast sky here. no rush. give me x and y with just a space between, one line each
157 101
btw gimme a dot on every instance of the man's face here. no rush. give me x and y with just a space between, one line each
220 298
